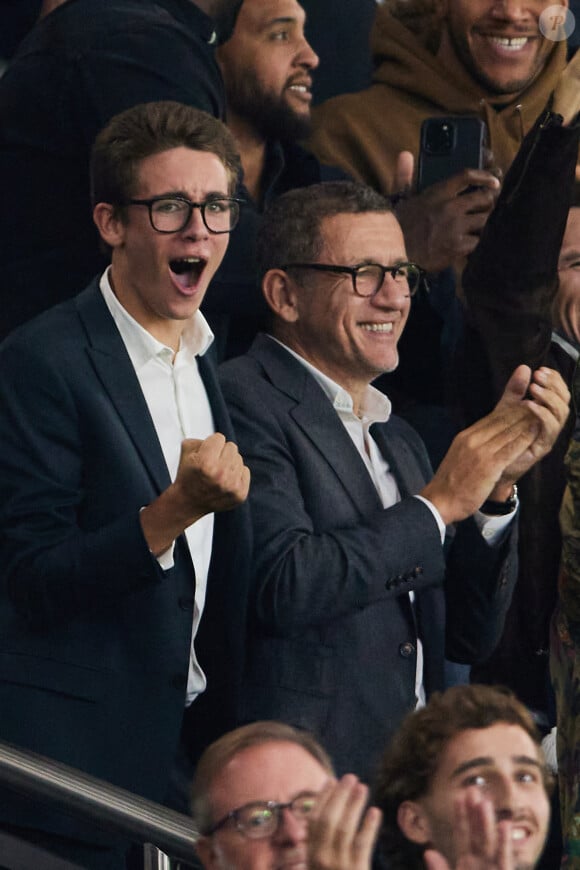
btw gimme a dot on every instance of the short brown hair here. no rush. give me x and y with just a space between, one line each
290 229
411 761
216 756
151 128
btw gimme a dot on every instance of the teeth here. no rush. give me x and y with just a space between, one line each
184 264
514 43
518 834
377 327
301 88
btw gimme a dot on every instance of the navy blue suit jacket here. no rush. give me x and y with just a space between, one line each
94 636
333 640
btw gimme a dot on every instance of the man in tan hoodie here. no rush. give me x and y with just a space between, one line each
443 57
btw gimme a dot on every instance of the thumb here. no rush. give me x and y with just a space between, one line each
516 387
404 168
191 445
434 860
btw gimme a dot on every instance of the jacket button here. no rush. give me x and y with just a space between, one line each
389 584
406 650
179 681
417 571
185 602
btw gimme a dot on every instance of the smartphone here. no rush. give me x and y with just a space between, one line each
449 145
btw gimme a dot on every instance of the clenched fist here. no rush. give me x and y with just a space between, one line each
211 477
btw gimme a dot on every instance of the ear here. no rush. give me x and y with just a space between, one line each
205 852
280 294
413 822
109 224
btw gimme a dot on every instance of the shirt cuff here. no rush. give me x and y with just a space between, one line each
494 529
165 560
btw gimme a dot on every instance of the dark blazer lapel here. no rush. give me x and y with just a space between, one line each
208 372
315 415
117 375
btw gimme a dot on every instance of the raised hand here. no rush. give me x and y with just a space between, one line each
211 477
442 224
341 830
549 400
480 842
487 458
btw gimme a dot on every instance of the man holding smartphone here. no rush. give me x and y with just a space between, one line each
446 58
443 57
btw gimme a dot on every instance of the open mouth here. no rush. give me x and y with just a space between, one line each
507 44
302 88
186 271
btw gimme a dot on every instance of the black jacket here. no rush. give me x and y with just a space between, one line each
82 64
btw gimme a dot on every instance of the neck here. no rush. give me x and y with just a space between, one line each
355 387
165 330
252 148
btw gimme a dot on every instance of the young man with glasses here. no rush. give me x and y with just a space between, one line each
348 519
122 609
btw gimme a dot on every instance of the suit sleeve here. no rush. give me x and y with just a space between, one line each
60 551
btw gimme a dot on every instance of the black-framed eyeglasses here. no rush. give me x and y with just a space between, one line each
171 214
262 818
368 278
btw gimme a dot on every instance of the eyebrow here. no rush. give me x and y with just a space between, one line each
569 257
487 761
170 193
273 22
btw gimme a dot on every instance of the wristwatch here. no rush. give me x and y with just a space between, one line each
501 508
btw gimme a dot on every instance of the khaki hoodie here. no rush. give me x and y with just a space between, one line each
364 132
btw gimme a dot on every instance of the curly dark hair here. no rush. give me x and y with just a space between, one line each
411 761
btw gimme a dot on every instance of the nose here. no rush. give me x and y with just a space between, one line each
511 10
306 56
505 796
291 830
392 294
195 227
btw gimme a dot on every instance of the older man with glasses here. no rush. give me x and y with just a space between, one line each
356 596
265 795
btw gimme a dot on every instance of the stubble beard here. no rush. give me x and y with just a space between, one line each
269 113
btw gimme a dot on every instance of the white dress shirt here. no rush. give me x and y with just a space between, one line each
179 407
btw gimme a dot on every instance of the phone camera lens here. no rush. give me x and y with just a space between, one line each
439 138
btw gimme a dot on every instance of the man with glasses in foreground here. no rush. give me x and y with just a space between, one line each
124 565
356 595
463 785
266 796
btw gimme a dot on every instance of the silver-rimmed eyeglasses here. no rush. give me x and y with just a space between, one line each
368 278
262 818
171 214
